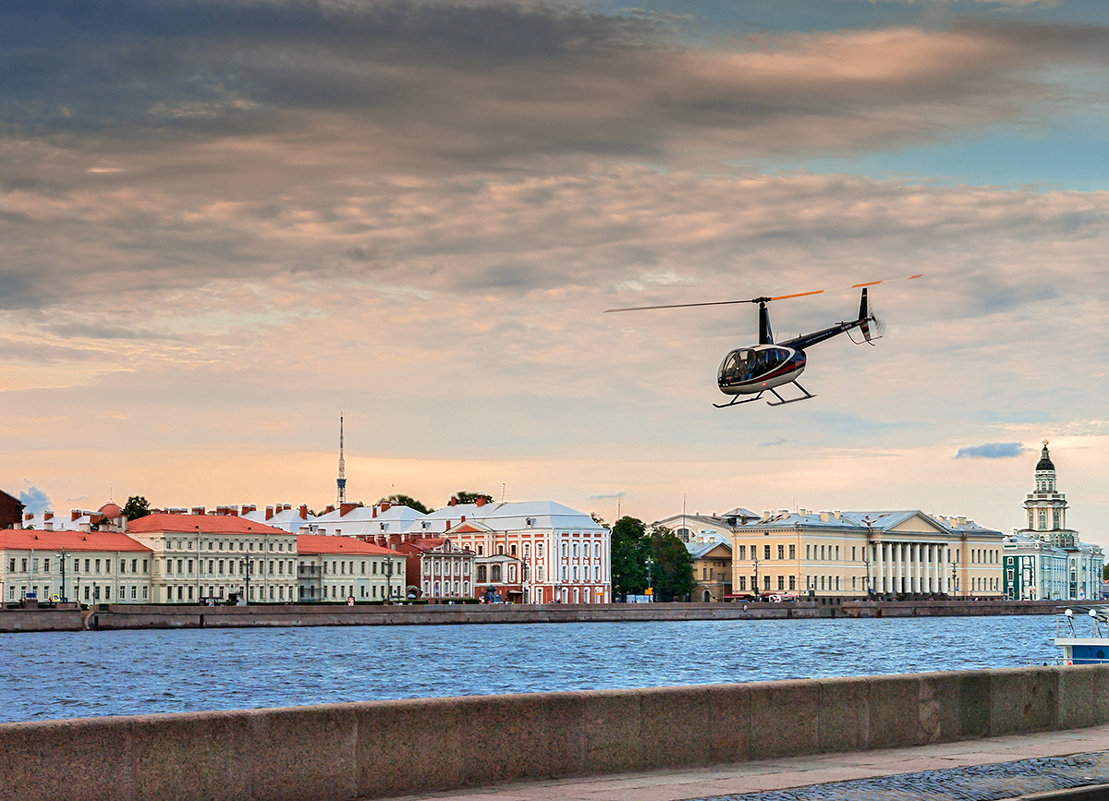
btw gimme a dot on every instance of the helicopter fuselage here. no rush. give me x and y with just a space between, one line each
757 368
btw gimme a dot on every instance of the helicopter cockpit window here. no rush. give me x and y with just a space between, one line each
738 365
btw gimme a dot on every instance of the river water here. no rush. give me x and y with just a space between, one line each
83 674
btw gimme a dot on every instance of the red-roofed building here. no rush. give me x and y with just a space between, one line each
89 566
199 557
340 568
436 569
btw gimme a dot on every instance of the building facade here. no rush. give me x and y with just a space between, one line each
1045 560
853 555
565 555
198 557
11 511
343 569
436 569
86 566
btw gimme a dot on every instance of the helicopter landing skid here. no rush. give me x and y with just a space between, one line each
782 401
735 401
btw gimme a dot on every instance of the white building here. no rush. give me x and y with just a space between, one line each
565 555
202 556
341 568
1045 559
87 566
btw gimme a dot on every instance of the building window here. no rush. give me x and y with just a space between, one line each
792 551
781 582
766 553
741 552
781 551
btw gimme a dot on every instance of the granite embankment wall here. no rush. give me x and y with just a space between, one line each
134 616
384 748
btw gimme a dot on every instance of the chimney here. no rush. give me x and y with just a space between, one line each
373 511
48 525
304 530
47 515
453 501
824 517
285 507
74 514
304 511
85 528
329 509
385 506
249 507
198 510
346 508
269 512
28 516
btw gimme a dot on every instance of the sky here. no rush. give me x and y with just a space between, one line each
226 223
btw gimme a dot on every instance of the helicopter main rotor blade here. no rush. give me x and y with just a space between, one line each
684 305
762 299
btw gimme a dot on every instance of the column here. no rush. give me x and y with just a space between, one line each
943 569
919 548
882 568
899 563
910 565
929 567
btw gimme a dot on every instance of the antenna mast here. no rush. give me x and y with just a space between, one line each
341 481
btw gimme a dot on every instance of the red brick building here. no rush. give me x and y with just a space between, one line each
11 511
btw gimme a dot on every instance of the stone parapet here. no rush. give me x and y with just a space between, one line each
386 748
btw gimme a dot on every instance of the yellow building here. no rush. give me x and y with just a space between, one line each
852 555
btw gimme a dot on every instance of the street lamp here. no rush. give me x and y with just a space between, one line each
955 575
388 579
246 566
61 557
755 562
650 589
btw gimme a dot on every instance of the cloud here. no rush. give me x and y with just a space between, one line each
991 450
35 500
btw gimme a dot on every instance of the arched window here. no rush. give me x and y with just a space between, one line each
481 573
496 569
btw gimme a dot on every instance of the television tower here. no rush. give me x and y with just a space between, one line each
341 481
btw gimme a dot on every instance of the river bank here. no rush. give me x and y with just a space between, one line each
109 617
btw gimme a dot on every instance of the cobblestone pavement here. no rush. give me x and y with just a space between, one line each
992 782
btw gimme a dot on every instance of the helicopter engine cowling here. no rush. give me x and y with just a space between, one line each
757 368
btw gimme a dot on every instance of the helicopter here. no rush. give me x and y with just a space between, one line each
754 370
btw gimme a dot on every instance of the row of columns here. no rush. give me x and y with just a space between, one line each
908 567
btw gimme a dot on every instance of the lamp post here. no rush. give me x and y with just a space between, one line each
388 579
755 563
650 589
61 557
524 581
245 567
955 575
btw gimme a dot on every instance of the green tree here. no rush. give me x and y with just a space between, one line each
1105 572
137 506
464 496
672 572
630 548
405 500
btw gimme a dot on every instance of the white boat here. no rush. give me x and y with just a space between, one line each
1083 634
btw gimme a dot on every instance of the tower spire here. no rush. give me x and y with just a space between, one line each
341 481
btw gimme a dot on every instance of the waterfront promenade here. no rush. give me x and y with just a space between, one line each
659 744
105 617
1071 765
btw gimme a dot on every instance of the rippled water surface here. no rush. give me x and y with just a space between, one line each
80 674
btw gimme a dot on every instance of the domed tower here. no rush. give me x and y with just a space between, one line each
1046 507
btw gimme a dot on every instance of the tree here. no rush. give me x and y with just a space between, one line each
405 500
630 548
137 506
464 496
672 572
